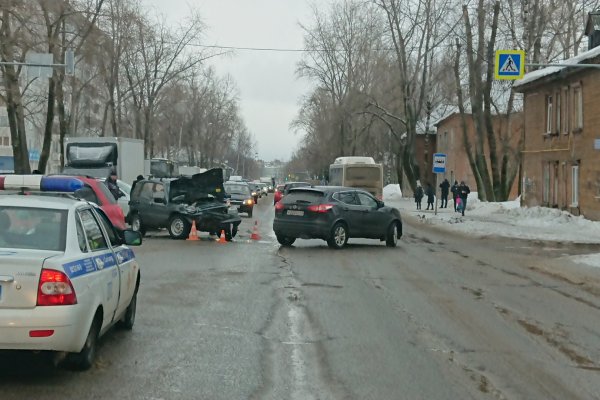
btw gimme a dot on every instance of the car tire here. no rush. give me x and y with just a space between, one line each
136 224
129 318
285 240
393 234
339 236
250 213
178 227
85 358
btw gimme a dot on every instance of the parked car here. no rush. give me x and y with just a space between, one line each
176 203
335 214
96 192
278 194
240 196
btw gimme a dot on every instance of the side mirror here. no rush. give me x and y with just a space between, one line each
132 238
380 204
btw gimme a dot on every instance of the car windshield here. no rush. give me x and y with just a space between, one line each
32 228
236 188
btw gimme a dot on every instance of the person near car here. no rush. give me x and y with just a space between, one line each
463 192
111 183
430 193
454 191
418 195
139 178
445 187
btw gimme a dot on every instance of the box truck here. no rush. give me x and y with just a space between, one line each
97 156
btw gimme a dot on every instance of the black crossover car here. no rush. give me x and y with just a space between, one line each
335 214
175 203
240 196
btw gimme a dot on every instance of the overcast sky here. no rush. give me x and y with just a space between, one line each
269 90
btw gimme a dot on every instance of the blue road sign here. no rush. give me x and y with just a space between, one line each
510 64
439 163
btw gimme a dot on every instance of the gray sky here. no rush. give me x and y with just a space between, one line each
268 88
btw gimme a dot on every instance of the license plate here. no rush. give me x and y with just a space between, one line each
295 213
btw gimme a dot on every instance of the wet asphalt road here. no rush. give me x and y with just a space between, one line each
440 317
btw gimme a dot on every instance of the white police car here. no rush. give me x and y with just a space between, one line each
66 275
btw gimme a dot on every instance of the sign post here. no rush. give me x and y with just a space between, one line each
439 167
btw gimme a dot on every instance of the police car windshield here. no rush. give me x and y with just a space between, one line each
33 228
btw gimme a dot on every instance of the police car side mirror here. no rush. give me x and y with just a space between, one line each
132 238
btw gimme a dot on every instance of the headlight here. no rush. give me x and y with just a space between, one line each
253 193
248 202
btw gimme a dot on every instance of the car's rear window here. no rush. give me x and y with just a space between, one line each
33 228
303 196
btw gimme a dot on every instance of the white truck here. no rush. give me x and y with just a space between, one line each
96 156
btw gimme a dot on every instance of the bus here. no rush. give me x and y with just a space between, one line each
358 172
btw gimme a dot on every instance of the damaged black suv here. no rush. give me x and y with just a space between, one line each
175 203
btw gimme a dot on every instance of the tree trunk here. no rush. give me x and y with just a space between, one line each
16 121
47 141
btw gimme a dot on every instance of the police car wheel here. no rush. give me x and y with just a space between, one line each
85 358
129 317
178 227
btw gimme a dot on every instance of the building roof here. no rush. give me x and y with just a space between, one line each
548 71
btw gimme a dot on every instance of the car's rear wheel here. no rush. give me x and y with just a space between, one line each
393 234
85 358
285 240
178 227
339 236
129 317
136 224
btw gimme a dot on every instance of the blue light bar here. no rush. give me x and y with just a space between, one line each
60 184
67 184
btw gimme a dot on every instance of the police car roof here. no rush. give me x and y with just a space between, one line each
33 201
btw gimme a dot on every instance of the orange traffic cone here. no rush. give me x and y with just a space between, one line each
255 235
193 233
222 238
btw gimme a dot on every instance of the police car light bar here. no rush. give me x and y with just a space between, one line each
42 183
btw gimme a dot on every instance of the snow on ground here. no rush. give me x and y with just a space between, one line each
392 192
508 219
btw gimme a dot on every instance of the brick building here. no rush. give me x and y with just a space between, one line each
450 142
562 135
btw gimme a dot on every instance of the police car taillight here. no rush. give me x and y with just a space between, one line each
39 182
55 289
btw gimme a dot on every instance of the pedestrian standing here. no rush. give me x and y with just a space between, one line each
463 192
454 191
445 186
139 178
430 196
418 195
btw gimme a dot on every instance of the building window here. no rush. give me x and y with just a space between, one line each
558 112
548 114
546 184
577 108
5 141
565 119
575 186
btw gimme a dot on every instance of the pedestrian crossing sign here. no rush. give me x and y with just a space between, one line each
510 64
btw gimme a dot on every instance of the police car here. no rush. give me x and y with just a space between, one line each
66 274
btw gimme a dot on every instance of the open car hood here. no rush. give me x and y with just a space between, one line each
198 187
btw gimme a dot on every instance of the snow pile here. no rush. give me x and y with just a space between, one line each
392 192
592 260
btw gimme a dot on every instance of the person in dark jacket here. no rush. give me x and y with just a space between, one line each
430 196
139 178
111 183
463 193
445 186
418 195
454 191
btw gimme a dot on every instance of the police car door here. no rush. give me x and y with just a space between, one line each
103 260
126 263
